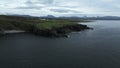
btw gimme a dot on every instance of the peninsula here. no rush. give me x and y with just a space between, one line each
38 26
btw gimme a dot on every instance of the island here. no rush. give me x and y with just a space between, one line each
38 26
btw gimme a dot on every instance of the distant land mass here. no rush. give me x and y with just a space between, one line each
50 27
72 17
85 17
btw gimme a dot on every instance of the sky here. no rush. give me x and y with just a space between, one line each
61 7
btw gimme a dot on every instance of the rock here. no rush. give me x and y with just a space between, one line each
2 32
60 32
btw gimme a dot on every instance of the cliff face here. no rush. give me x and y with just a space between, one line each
60 32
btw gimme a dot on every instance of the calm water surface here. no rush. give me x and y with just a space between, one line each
98 48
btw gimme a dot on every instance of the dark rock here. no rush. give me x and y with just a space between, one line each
2 32
60 32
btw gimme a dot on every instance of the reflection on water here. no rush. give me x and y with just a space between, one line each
98 48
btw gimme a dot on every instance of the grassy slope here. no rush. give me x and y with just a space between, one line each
11 22
54 24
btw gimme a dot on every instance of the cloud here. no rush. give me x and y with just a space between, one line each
29 7
45 1
61 7
64 10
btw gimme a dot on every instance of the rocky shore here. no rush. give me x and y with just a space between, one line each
1 32
4 32
54 32
48 27
61 31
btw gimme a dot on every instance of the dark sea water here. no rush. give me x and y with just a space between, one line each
98 48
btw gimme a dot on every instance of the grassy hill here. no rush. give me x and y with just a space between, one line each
35 24
25 23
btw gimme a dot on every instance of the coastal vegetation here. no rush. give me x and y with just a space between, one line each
44 27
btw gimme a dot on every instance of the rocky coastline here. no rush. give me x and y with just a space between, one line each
61 31
54 32
4 32
48 27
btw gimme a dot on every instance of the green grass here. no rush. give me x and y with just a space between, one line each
13 22
49 24
52 25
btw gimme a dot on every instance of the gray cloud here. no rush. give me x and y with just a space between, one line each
59 7
29 2
29 7
64 10
45 1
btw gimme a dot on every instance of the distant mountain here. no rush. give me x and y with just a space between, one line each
72 17
84 17
102 18
48 17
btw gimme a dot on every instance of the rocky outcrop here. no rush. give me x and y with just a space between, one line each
54 32
61 31
2 32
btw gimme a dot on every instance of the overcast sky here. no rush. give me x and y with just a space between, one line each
61 7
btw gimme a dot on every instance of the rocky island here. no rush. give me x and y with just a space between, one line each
42 27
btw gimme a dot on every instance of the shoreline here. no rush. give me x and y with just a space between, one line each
48 27
60 31
54 32
11 32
